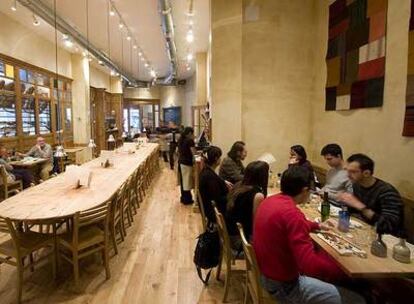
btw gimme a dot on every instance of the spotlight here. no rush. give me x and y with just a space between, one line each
35 21
153 74
14 6
100 62
112 73
135 47
140 54
189 57
121 25
67 41
111 12
190 36
128 38
146 64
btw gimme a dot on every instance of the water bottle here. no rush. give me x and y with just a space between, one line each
344 219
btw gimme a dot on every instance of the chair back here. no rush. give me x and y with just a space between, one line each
223 234
202 212
252 268
93 216
7 226
3 176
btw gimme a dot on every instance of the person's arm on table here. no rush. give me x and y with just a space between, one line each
310 262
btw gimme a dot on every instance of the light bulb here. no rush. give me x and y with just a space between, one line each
14 6
153 74
140 54
135 47
189 57
121 25
111 12
190 36
112 73
146 64
128 38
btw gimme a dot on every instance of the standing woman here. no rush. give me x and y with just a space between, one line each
244 199
186 150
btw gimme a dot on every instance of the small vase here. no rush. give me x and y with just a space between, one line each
401 252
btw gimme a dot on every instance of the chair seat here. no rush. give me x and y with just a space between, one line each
29 241
88 236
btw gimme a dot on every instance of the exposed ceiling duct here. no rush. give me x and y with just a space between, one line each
47 14
168 30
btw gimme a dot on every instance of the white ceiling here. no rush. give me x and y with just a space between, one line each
143 20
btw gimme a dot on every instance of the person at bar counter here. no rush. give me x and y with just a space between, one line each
232 168
186 151
244 199
15 173
377 202
337 179
42 150
211 186
173 138
293 271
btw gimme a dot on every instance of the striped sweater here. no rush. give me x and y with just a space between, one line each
387 204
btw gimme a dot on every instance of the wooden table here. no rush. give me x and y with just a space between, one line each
28 163
55 199
354 266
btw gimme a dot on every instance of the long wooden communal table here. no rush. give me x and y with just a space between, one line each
354 266
55 199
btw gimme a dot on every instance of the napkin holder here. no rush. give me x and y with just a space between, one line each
378 247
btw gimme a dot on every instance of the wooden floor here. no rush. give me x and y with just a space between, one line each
154 264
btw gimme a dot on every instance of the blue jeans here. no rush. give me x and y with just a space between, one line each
307 290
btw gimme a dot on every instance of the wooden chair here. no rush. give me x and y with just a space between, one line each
226 252
22 245
254 290
89 234
116 218
9 188
202 212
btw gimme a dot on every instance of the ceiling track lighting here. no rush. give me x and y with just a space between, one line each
35 21
128 38
121 25
14 6
190 36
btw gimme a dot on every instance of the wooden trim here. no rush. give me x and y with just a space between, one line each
19 63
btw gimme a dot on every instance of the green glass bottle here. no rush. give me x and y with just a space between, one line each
325 207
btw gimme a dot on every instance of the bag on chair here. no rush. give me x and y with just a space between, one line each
207 252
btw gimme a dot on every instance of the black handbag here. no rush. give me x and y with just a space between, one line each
207 252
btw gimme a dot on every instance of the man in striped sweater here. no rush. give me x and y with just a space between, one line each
377 202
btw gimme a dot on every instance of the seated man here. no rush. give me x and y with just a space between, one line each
232 168
337 179
42 150
15 173
292 270
378 202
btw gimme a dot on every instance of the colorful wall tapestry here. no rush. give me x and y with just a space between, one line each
356 54
409 108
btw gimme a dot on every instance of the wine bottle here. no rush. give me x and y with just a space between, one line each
325 207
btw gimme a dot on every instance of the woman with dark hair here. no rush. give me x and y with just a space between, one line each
299 157
186 150
211 186
232 168
244 199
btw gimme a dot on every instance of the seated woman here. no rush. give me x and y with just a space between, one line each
244 199
232 168
211 186
298 157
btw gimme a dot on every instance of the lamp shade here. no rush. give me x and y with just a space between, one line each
111 138
60 152
91 143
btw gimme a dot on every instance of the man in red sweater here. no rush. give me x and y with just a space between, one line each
292 270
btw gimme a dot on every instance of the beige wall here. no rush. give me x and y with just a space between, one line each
226 69
376 132
190 98
99 79
22 43
261 89
143 93
173 96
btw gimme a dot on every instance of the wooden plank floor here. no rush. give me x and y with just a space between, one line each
154 264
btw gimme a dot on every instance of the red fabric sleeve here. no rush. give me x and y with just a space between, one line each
314 226
310 262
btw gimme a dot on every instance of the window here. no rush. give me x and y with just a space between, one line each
126 121
135 121
7 114
28 116
45 124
